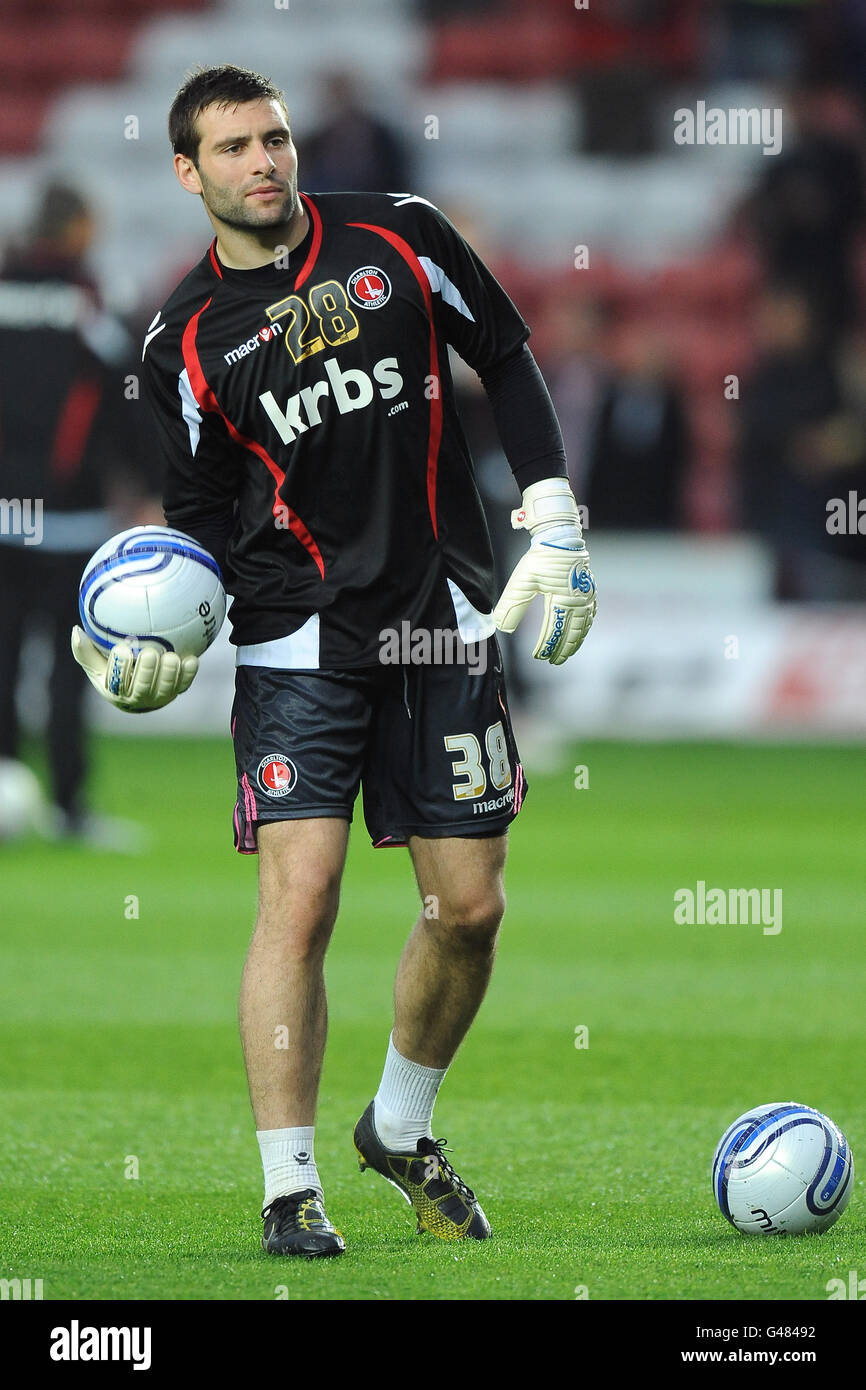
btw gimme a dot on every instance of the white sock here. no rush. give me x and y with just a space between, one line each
403 1104
288 1161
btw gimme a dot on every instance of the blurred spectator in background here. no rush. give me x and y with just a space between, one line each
847 22
786 406
353 151
576 374
763 40
809 205
434 10
640 445
67 457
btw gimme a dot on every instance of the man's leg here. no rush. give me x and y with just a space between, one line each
447 962
441 980
323 717
283 1010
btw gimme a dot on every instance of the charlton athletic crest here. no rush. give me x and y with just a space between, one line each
369 287
276 775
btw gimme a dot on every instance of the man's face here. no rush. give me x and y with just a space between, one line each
247 167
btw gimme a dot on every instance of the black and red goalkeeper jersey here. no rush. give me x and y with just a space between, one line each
306 416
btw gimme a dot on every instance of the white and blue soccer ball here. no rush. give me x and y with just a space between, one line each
783 1169
152 584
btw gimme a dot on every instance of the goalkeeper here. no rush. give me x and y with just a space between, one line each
303 401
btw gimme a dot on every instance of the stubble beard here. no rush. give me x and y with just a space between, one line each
234 210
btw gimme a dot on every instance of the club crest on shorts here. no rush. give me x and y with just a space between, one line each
369 287
276 775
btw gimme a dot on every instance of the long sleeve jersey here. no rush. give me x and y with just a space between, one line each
306 417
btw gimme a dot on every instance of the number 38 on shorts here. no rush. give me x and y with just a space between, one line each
469 762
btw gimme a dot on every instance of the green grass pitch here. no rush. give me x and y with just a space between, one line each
119 1044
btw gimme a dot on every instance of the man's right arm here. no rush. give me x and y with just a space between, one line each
201 478
200 461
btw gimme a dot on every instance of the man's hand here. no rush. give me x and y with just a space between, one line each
135 684
556 566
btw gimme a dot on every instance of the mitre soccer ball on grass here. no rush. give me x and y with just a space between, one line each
783 1169
152 584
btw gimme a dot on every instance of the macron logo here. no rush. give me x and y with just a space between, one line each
264 335
350 390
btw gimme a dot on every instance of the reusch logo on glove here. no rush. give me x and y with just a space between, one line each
582 580
554 638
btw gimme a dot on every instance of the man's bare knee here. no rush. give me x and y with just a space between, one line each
303 918
300 870
461 886
470 920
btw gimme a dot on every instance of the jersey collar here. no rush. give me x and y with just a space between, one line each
302 259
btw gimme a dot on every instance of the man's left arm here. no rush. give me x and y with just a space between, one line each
557 562
486 329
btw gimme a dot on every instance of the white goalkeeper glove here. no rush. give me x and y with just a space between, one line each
557 566
136 684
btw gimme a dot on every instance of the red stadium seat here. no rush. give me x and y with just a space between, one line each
43 49
22 114
531 41
120 9
84 52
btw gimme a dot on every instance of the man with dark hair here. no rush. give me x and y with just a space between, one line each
304 405
223 86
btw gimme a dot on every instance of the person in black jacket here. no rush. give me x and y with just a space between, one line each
62 361
640 444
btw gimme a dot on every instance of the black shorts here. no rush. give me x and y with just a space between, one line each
431 746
